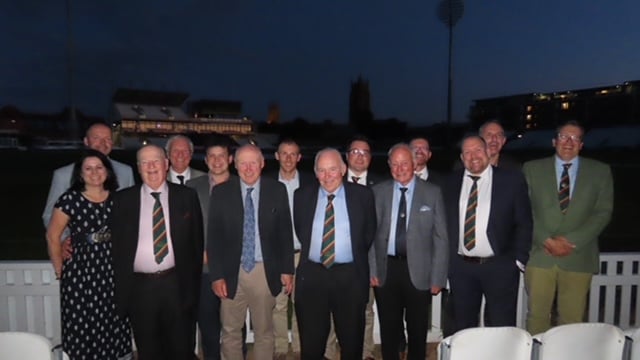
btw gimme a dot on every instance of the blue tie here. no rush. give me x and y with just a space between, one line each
248 258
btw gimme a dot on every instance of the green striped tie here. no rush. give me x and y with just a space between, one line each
328 255
564 191
470 216
160 246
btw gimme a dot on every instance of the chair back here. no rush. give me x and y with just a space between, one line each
633 344
584 341
487 343
16 345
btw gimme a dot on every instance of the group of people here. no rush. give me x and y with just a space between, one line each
187 247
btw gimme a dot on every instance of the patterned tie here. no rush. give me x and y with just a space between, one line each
160 246
355 179
401 225
470 216
248 258
564 191
327 255
181 178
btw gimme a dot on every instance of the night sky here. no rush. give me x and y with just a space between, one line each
303 54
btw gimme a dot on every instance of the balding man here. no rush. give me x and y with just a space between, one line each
250 252
410 254
335 223
493 134
157 234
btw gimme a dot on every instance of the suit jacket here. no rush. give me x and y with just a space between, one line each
589 212
362 223
62 180
510 225
372 178
436 178
427 241
202 188
224 238
185 219
195 173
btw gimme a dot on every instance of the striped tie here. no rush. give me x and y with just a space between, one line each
470 217
160 246
327 256
564 191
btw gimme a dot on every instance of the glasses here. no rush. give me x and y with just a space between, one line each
357 152
566 137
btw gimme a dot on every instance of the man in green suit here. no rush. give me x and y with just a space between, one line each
572 201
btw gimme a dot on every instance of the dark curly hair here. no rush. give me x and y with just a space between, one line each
77 182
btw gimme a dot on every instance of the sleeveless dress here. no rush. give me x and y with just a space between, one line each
90 327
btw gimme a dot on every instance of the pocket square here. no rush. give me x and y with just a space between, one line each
424 208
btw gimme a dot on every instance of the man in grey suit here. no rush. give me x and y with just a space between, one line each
98 137
218 158
180 151
409 257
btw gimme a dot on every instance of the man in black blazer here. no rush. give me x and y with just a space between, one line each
490 248
288 156
334 281
158 288
250 252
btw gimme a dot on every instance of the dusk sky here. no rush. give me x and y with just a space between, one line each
303 54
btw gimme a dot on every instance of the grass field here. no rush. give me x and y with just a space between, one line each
25 183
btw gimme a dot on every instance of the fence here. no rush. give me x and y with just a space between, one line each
30 300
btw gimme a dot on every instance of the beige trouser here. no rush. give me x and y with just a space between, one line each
542 284
331 351
280 328
252 293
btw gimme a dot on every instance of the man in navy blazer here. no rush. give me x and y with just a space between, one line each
486 259
159 294
250 254
339 287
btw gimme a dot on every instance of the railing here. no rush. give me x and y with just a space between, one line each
30 300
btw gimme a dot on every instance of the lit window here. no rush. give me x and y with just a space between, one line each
565 105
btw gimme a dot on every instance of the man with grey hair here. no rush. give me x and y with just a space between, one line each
250 252
409 258
335 223
180 151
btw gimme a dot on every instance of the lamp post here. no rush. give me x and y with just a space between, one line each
449 12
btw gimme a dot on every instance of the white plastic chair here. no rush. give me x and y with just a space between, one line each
584 341
634 343
487 343
16 345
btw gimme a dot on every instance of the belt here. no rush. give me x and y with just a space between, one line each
157 274
476 259
397 257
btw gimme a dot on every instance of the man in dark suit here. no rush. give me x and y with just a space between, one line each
250 252
288 156
489 227
358 156
335 222
157 237
422 150
409 257
218 158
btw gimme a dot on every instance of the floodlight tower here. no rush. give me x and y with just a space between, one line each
449 12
